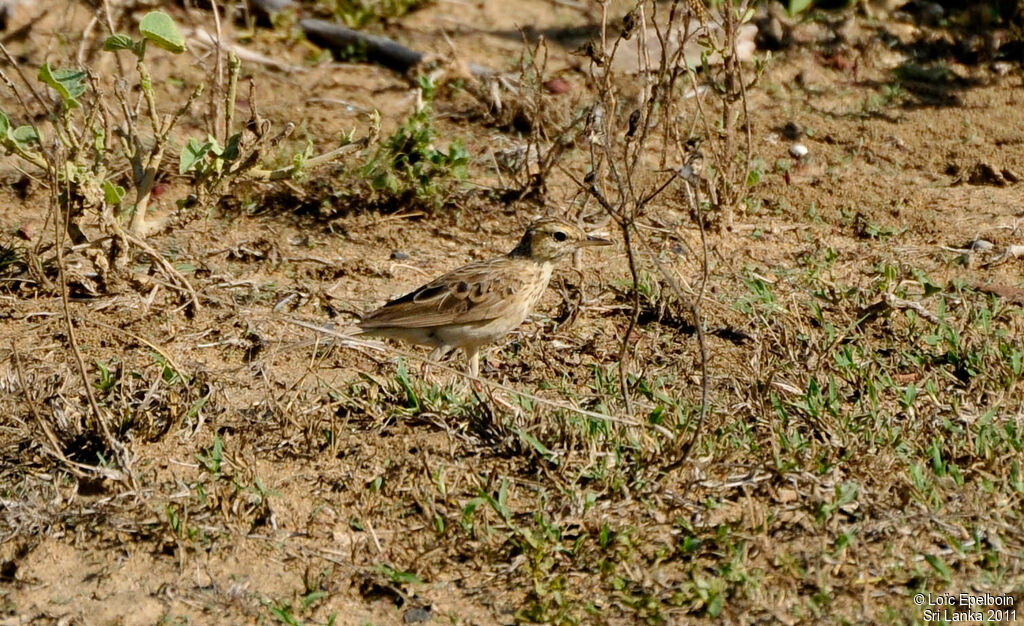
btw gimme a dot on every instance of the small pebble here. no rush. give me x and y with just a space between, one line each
417 614
398 255
558 85
980 245
1002 68
798 150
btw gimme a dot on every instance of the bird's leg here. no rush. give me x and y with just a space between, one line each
472 361
435 355
473 364
473 369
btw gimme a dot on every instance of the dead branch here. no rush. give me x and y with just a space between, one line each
377 49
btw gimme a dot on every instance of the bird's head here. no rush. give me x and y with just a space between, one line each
550 238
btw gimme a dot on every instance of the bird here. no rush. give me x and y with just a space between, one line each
477 304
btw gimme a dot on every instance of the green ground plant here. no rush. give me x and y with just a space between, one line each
359 13
408 165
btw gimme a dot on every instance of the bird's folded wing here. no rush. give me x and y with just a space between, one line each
474 293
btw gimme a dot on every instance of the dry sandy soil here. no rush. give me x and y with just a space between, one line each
863 441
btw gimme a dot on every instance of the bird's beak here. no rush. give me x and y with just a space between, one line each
595 241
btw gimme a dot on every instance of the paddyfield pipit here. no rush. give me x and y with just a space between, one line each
479 303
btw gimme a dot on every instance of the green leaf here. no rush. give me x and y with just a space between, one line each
939 566
714 608
799 6
192 154
411 399
98 139
118 42
215 148
309 599
398 576
26 135
158 27
5 126
231 151
112 193
68 83
535 443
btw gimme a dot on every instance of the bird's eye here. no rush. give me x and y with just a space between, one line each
559 235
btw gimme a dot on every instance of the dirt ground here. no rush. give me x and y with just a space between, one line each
865 432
